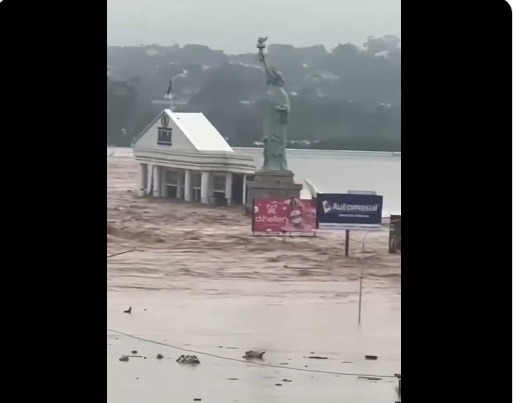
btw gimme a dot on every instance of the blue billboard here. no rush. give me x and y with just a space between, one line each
348 211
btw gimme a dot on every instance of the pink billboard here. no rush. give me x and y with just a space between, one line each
282 216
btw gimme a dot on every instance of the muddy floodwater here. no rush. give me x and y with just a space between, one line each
200 284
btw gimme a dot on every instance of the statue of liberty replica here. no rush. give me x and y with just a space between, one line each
273 180
276 116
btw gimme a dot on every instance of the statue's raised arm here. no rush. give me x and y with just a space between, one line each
262 59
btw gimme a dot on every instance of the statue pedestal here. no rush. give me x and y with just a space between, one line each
271 185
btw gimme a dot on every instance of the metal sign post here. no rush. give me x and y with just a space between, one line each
360 294
347 240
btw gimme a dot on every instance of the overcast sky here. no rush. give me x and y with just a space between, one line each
234 25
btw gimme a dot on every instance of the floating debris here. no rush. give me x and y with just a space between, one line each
124 358
160 356
128 310
371 357
254 354
286 380
188 359
317 357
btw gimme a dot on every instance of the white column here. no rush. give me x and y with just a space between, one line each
187 185
244 198
180 192
156 191
204 188
143 168
150 179
162 183
228 188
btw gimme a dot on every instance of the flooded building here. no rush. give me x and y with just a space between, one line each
182 155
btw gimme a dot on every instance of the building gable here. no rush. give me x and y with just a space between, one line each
163 134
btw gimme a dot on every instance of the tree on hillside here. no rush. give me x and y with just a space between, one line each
121 102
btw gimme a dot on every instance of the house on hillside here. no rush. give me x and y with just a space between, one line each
183 156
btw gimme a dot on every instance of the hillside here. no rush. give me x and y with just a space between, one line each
348 97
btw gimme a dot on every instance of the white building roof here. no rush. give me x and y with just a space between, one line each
202 134
195 144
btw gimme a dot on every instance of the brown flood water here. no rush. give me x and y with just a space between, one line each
198 280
